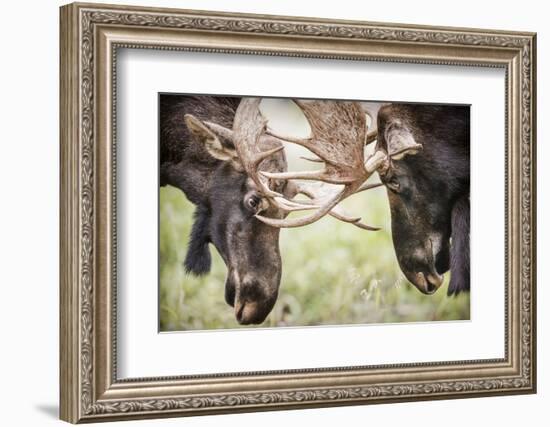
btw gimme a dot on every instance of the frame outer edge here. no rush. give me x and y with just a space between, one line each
77 226
305 19
68 226
533 206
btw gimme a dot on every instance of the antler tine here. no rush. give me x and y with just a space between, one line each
299 222
265 154
311 159
248 128
338 135
335 211
366 186
339 214
329 208
292 206
318 175
288 138
371 110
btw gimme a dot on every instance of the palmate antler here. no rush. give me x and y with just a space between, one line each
338 137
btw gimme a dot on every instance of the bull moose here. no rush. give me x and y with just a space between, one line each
221 153
199 159
428 192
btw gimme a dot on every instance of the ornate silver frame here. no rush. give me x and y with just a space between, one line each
90 36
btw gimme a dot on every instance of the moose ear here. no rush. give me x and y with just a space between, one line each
198 259
400 141
211 136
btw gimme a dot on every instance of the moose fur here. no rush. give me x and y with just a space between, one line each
203 164
429 192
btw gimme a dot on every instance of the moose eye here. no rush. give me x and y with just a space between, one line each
393 185
253 202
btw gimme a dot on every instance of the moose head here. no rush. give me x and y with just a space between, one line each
201 159
429 192
233 167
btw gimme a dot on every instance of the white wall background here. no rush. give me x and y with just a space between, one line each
29 170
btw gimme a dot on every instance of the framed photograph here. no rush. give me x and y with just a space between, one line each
267 212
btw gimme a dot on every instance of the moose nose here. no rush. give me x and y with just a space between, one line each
428 283
246 312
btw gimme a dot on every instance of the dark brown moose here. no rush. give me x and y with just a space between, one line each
221 153
429 192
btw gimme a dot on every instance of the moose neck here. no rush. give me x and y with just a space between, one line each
190 177
184 161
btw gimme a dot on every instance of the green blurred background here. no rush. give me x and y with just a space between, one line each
333 273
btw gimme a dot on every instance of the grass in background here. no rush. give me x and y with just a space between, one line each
333 273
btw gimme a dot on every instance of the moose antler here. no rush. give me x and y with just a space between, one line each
248 128
338 137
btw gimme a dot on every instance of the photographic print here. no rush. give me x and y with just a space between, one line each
304 212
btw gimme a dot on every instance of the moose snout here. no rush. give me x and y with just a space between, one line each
253 302
423 276
252 312
424 263
427 283
246 313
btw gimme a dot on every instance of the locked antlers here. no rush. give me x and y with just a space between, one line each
338 136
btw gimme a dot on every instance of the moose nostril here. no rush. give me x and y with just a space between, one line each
239 309
248 312
428 283
433 282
